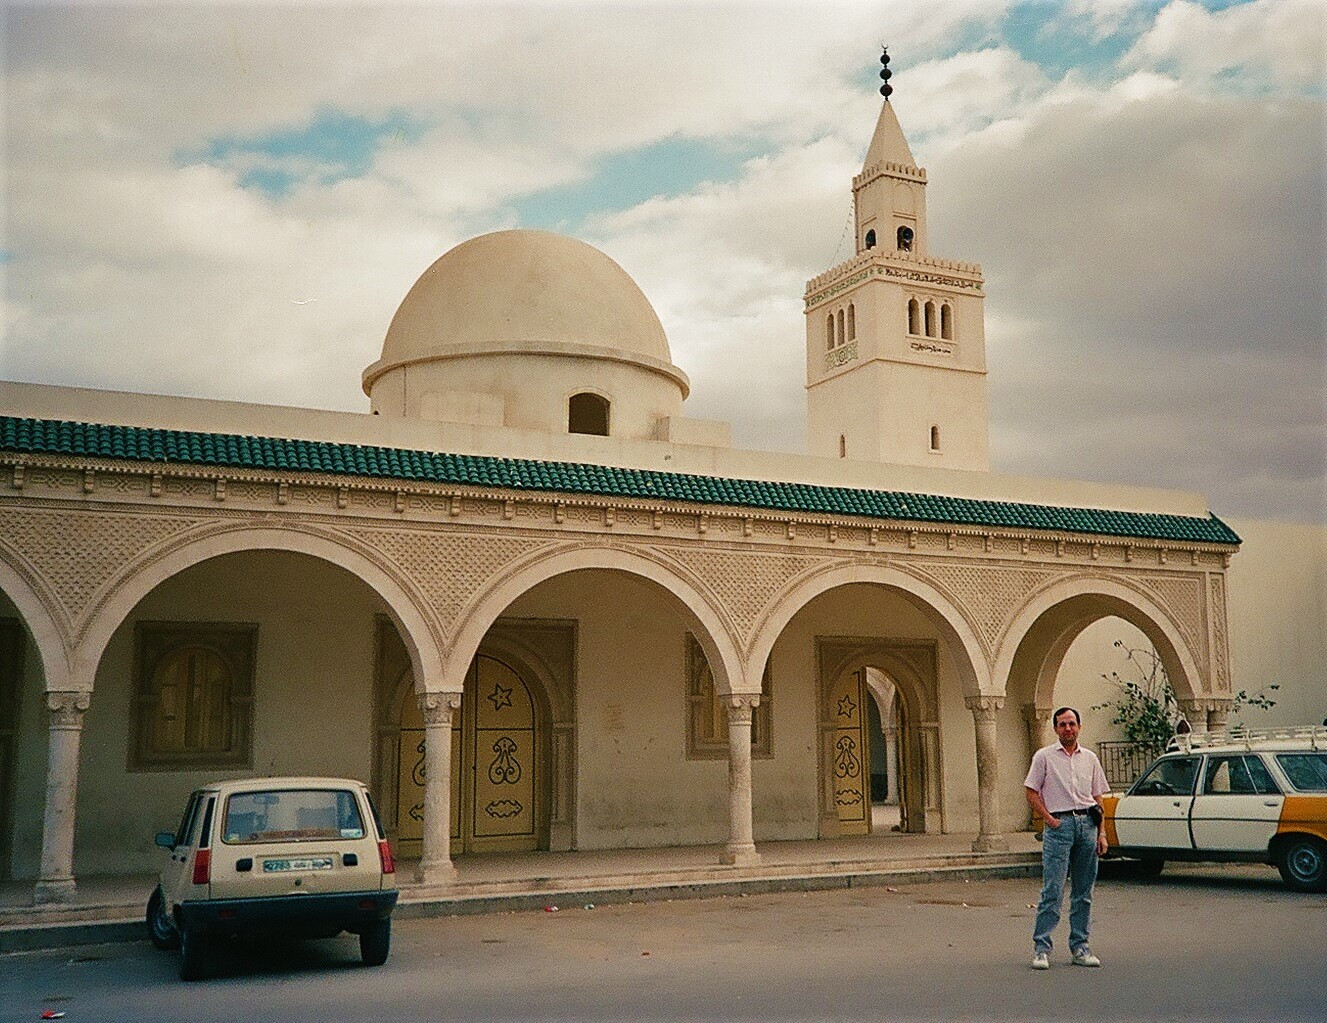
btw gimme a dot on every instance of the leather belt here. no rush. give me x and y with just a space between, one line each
1071 813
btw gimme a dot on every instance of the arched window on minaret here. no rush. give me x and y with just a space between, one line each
935 438
843 446
870 238
852 322
829 332
930 319
947 321
843 333
587 413
914 316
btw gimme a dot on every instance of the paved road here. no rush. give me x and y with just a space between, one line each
1207 943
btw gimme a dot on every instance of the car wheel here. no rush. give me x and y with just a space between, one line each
375 941
1149 869
160 927
1303 864
193 954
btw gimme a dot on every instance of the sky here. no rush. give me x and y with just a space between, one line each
229 200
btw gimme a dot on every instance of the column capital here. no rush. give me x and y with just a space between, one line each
984 707
741 707
67 707
1035 715
438 708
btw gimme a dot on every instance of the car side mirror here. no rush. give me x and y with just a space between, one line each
166 839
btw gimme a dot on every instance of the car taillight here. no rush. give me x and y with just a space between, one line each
203 866
385 856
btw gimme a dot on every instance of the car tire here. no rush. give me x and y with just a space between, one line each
1149 869
193 954
375 942
160 927
1303 864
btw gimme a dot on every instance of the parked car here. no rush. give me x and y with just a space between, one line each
300 856
1251 796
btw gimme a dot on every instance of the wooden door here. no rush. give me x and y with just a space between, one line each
848 757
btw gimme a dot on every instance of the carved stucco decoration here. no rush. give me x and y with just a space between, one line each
1221 672
450 569
743 582
988 595
1182 596
75 554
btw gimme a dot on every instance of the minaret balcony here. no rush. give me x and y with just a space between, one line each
948 274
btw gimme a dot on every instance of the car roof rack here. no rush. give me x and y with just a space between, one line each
1316 735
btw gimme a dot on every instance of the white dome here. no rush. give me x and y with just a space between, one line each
515 293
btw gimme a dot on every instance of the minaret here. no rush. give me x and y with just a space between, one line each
896 340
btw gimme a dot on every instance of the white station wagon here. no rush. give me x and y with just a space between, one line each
1255 796
303 856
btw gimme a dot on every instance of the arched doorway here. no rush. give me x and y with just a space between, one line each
499 790
851 673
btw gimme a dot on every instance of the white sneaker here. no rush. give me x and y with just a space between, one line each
1084 957
1042 961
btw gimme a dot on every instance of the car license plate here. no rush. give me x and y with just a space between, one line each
306 863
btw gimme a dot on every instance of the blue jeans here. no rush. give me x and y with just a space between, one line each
1069 851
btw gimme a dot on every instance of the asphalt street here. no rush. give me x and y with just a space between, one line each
1205 943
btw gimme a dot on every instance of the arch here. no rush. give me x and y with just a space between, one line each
914 316
930 319
935 437
852 322
1036 642
829 332
711 632
34 608
842 329
946 321
956 631
142 577
588 413
870 238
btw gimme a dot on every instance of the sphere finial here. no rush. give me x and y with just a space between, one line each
885 74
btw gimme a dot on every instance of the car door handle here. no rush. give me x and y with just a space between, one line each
1271 802
1178 802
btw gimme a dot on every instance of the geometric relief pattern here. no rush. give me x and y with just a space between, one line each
744 582
76 552
448 568
1182 596
1222 672
990 596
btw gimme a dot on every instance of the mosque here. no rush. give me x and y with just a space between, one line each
538 607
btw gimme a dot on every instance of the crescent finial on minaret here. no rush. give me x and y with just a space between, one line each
886 89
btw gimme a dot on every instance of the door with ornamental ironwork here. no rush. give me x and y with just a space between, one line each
495 765
847 754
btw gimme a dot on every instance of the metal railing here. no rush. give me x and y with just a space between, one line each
1123 762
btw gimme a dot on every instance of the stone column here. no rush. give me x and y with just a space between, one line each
435 864
1217 713
891 764
984 709
1194 712
1039 726
741 850
56 883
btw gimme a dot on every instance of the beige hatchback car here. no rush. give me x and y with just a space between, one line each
301 856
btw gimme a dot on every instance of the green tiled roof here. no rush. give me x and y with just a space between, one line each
224 450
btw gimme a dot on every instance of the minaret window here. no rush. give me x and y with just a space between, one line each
588 413
870 238
852 322
843 446
843 334
930 319
947 322
914 316
829 332
935 438
905 238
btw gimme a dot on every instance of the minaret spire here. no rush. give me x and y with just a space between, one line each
886 89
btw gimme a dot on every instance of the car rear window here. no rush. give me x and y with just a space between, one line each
1306 771
291 815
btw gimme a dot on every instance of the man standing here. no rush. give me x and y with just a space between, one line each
1064 788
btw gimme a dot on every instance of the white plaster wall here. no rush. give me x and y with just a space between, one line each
312 703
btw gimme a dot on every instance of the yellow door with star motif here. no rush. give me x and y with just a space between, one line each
495 765
848 757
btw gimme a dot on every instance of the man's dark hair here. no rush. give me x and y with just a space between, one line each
1078 718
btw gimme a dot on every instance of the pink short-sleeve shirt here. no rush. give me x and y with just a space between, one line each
1066 782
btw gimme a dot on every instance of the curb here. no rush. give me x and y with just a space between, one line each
41 936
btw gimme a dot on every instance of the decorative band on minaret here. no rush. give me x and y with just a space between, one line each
885 74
